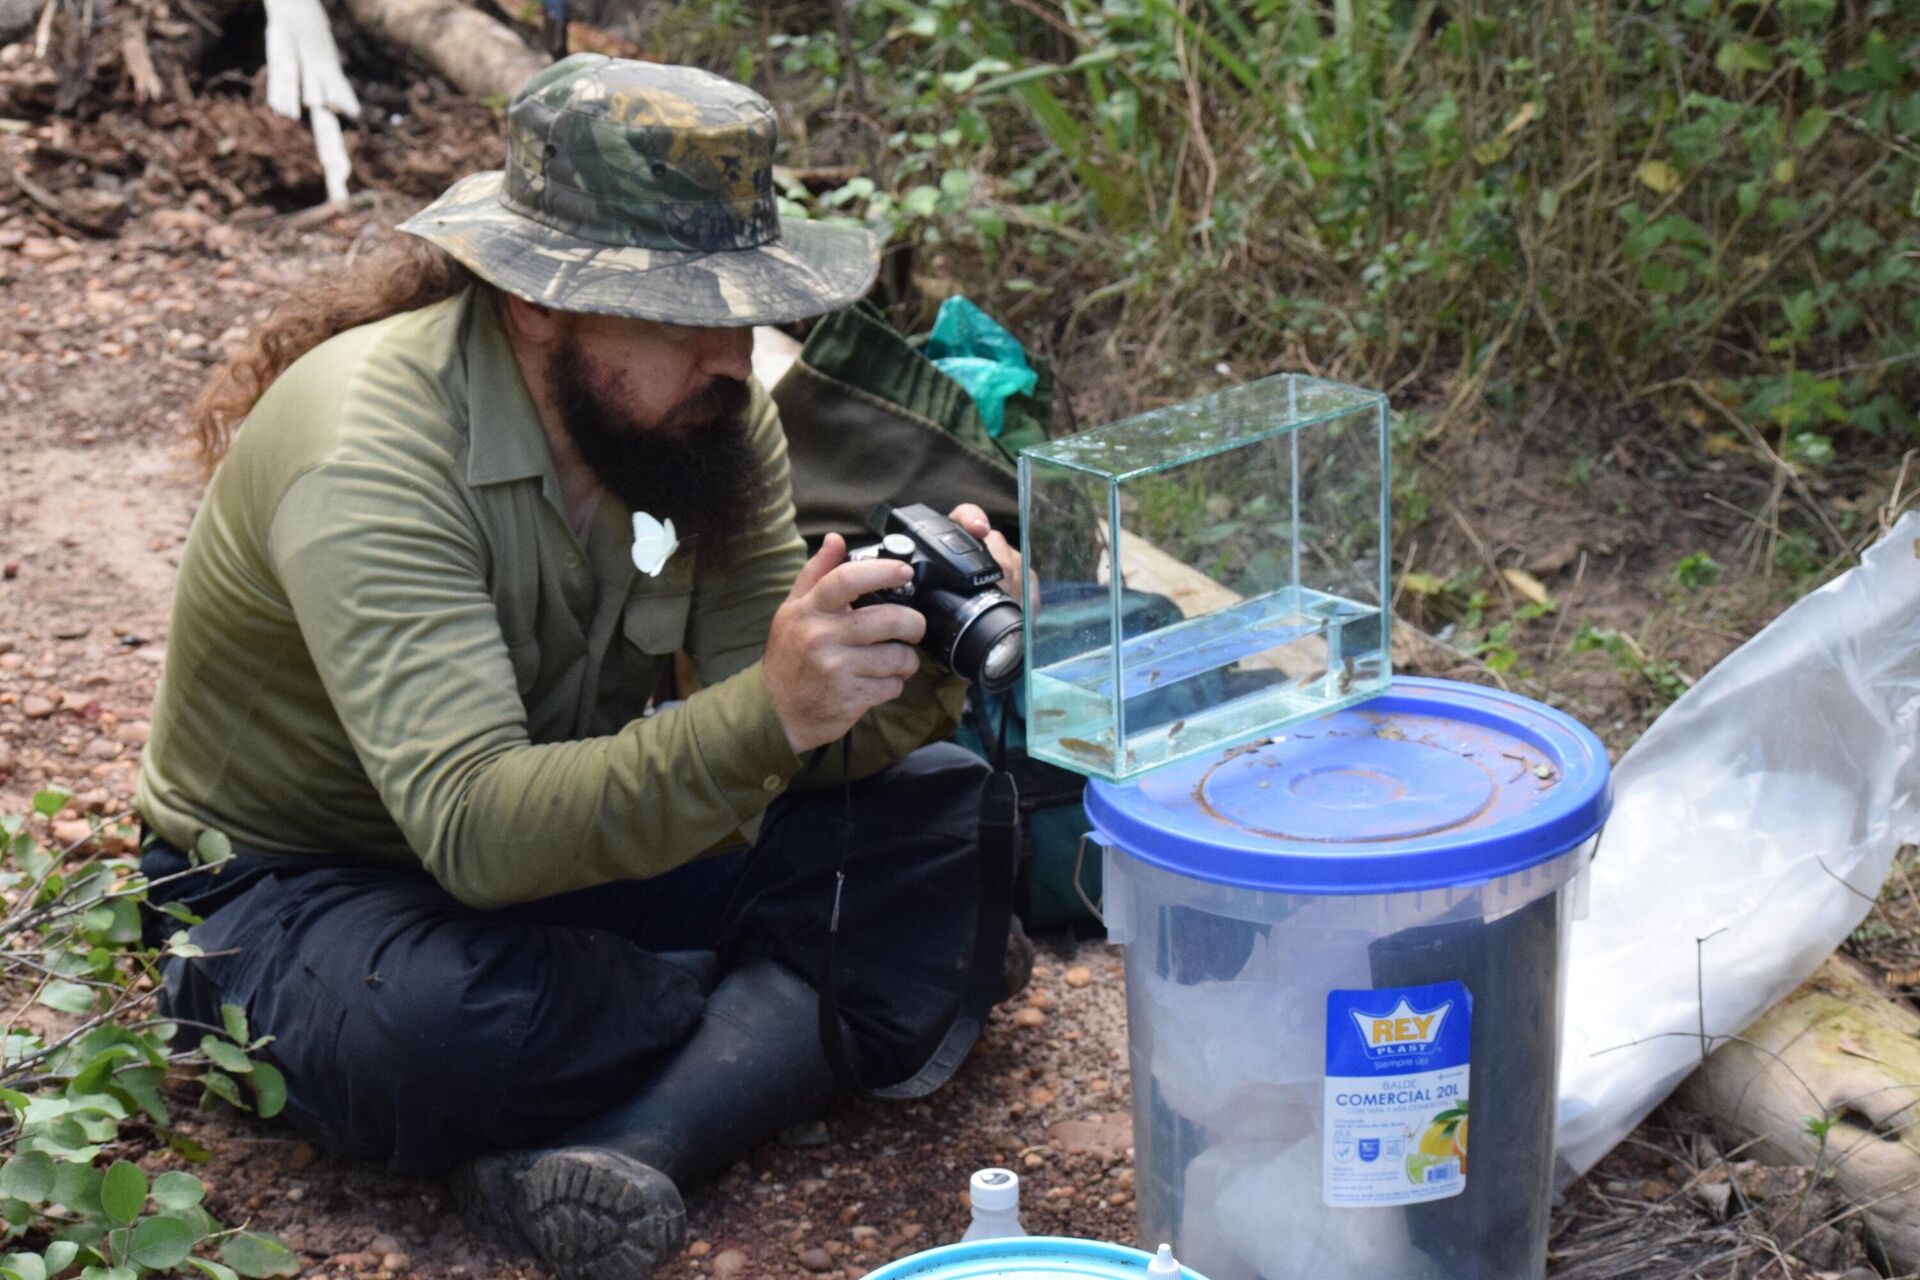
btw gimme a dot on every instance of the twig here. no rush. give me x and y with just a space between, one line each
1700 987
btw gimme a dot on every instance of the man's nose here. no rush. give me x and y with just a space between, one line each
728 353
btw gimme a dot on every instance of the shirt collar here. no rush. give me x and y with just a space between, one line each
505 439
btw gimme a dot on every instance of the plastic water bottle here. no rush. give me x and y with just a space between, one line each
995 1197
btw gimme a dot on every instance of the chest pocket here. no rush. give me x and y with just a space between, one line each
654 620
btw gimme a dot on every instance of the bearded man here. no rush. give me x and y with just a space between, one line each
506 903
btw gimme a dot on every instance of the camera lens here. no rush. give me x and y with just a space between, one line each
1004 660
988 648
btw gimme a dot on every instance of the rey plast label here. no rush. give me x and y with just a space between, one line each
1396 1095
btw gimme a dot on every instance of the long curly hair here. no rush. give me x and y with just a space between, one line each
404 276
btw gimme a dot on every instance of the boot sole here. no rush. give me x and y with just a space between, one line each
593 1214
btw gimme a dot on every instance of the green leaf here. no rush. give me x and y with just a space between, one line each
160 1244
1808 128
1736 57
256 1255
142 1087
1659 176
48 803
77 1187
225 1054
60 1256
125 928
123 1192
67 997
213 846
23 1266
109 1273
218 1271
234 1019
222 1086
921 201
187 1149
27 1176
176 1190
269 1090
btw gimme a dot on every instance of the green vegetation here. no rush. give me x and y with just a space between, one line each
84 1085
1707 202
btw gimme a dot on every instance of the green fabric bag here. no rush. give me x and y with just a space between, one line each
869 419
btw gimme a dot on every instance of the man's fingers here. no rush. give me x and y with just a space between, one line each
832 553
1007 558
970 517
845 583
879 623
879 661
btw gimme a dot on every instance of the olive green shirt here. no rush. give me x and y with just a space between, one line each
388 645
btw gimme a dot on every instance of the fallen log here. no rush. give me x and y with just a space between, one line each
475 54
1829 1079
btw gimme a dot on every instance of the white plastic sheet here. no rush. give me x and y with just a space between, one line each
1760 814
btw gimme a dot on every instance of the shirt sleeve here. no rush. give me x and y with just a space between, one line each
733 611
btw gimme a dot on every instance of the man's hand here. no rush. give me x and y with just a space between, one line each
828 663
974 521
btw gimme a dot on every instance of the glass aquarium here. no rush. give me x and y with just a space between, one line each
1204 574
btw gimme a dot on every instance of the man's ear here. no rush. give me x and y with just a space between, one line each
530 321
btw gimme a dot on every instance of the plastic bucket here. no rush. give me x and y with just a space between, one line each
1344 952
1026 1258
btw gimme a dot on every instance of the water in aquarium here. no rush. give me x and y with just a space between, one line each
1220 676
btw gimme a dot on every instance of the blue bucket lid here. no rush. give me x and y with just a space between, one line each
1433 784
1024 1258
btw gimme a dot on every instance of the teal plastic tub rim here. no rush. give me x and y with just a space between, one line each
1024 1258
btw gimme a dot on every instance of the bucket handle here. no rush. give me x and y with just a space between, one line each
1080 890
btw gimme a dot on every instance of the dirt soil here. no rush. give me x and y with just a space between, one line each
105 343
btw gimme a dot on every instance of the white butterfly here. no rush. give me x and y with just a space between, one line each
653 543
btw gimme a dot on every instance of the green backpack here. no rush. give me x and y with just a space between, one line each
860 391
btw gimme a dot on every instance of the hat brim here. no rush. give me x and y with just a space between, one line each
813 268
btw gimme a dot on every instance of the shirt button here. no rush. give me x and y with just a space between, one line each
572 561
772 783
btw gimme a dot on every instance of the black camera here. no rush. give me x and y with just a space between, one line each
972 626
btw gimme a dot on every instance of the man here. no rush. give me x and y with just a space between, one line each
416 676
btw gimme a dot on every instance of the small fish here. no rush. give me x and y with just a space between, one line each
1081 747
1050 713
1153 677
1346 675
1174 730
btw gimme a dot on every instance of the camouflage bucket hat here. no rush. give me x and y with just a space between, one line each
642 190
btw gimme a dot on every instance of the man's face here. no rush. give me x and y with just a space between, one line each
658 414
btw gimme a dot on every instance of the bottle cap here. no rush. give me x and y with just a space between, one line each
994 1189
1163 1263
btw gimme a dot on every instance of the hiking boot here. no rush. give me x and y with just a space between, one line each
585 1213
752 1067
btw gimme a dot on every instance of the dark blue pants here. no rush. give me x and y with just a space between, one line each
418 1031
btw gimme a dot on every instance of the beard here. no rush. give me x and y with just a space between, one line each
695 465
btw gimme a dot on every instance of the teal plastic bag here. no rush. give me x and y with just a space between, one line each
969 346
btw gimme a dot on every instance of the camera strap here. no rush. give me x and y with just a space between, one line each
997 859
